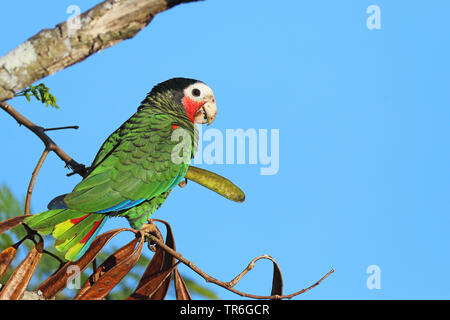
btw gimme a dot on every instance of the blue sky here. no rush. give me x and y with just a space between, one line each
363 117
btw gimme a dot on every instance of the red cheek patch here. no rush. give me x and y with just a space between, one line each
174 126
191 106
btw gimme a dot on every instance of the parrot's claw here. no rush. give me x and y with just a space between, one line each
182 184
150 230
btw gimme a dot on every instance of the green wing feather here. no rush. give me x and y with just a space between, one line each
135 164
46 221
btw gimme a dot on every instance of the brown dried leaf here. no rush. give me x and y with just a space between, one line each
181 290
112 260
11 223
112 271
6 257
58 281
152 286
168 263
161 292
149 287
18 282
277 280
154 267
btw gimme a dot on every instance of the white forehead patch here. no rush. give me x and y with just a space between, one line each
198 91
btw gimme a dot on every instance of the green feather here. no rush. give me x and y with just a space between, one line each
126 173
49 219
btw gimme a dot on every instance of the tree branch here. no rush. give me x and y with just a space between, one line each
33 180
68 43
230 285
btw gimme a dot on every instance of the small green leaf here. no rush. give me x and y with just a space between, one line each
41 93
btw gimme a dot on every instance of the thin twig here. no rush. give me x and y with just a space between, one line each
62 128
250 267
33 180
48 142
61 262
229 285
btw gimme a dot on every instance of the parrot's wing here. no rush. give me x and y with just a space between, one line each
139 167
108 146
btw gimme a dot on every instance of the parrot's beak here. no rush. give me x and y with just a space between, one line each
207 112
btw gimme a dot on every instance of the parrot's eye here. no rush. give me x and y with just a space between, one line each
196 93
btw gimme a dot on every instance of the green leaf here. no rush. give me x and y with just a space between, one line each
41 92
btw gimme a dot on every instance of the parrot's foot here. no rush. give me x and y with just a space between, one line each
150 230
182 184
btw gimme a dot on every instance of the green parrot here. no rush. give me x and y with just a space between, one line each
135 168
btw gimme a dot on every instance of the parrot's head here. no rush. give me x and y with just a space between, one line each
195 96
199 102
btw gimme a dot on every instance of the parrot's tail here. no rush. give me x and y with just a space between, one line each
73 235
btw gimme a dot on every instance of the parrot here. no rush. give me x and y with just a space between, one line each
134 170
